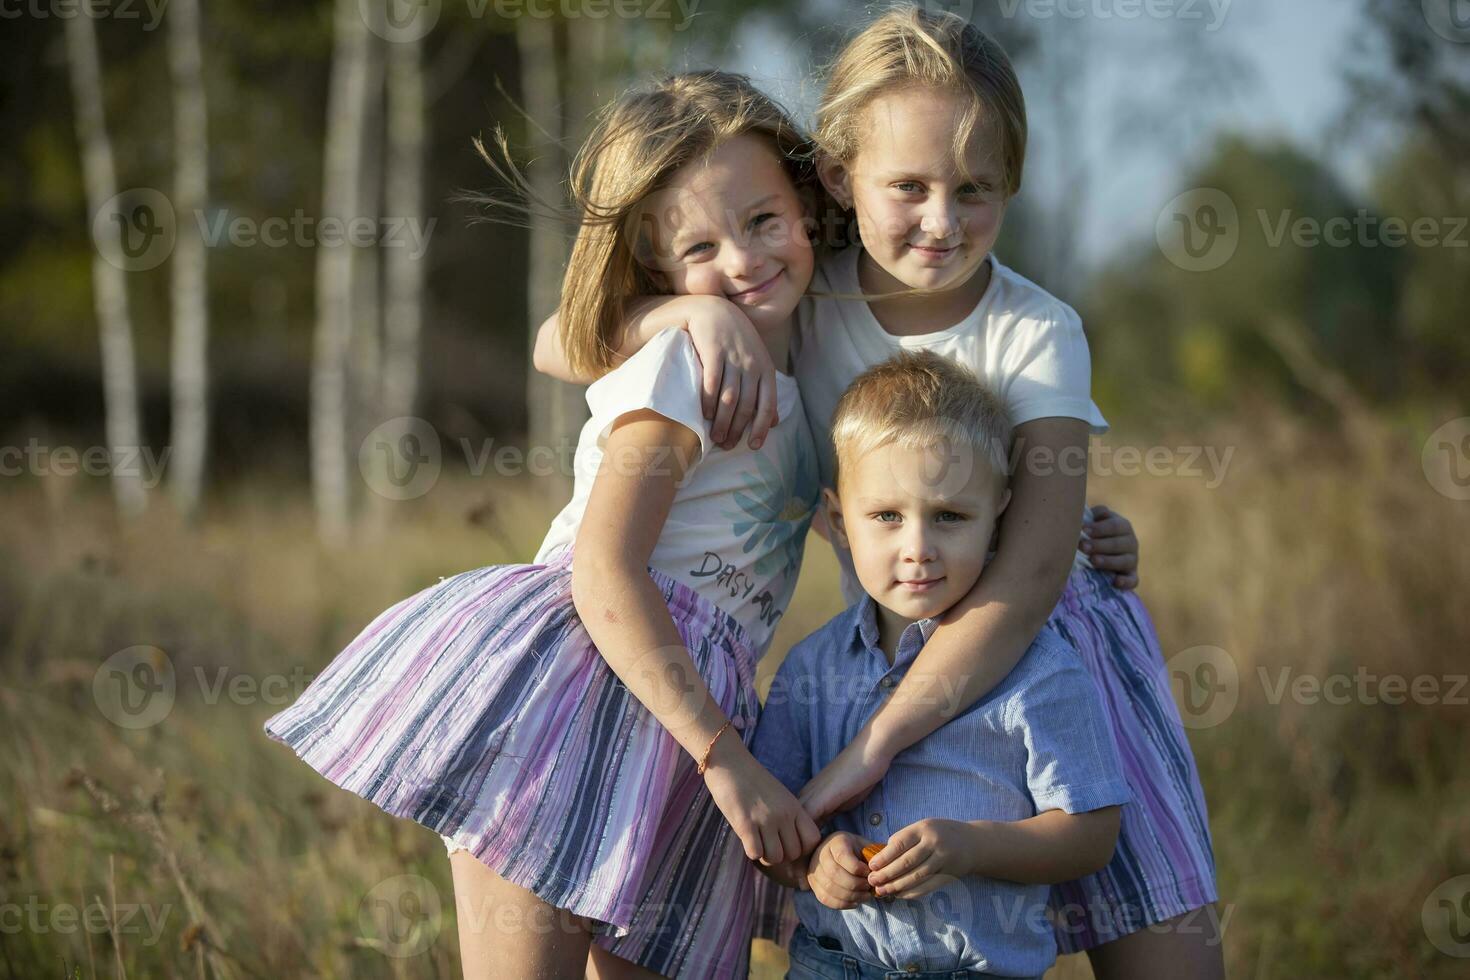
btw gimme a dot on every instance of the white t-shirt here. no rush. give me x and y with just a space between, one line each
1019 339
739 518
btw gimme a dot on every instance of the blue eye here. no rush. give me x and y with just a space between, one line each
695 248
882 516
908 186
950 516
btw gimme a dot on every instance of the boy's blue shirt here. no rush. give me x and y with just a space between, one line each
1037 742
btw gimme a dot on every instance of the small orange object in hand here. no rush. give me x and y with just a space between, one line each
871 851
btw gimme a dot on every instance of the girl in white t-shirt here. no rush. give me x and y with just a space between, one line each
576 728
921 138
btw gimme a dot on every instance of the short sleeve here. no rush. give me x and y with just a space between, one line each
1048 368
1071 761
783 736
663 377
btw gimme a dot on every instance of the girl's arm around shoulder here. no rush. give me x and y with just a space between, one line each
738 378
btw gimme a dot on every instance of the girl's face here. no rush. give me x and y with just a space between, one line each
732 225
922 221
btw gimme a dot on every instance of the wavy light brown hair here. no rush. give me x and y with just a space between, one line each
912 47
640 141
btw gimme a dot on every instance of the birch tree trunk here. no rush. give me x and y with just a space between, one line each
405 266
403 253
189 361
109 288
553 409
366 346
341 180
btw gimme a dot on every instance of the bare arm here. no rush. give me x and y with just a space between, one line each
986 633
647 316
625 615
1048 848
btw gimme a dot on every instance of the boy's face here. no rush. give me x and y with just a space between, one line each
918 523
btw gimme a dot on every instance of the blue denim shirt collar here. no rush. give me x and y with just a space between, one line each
863 632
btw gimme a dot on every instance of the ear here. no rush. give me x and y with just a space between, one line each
1005 500
836 178
834 516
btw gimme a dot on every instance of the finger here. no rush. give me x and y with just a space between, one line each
770 846
765 409
751 841
808 831
1125 582
1121 545
709 386
1115 563
729 398
851 862
923 888
897 845
907 881
745 408
790 841
1111 527
1101 512
906 862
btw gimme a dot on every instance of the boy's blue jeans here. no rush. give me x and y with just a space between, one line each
810 960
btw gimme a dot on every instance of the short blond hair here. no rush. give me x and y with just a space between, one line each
918 400
910 46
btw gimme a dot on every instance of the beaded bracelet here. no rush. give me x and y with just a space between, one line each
704 759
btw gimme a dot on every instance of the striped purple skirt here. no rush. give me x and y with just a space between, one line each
480 708
1164 864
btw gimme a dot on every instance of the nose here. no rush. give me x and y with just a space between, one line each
918 546
743 261
940 219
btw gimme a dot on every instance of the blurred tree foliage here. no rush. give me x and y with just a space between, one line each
1380 307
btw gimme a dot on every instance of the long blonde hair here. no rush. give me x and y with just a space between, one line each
910 46
639 142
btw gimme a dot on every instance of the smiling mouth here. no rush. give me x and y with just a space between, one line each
760 290
933 251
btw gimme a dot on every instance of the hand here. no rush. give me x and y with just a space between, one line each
921 857
771 824
1111 545
838 875
847 780
739 383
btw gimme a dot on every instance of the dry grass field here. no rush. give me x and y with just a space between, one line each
190 845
